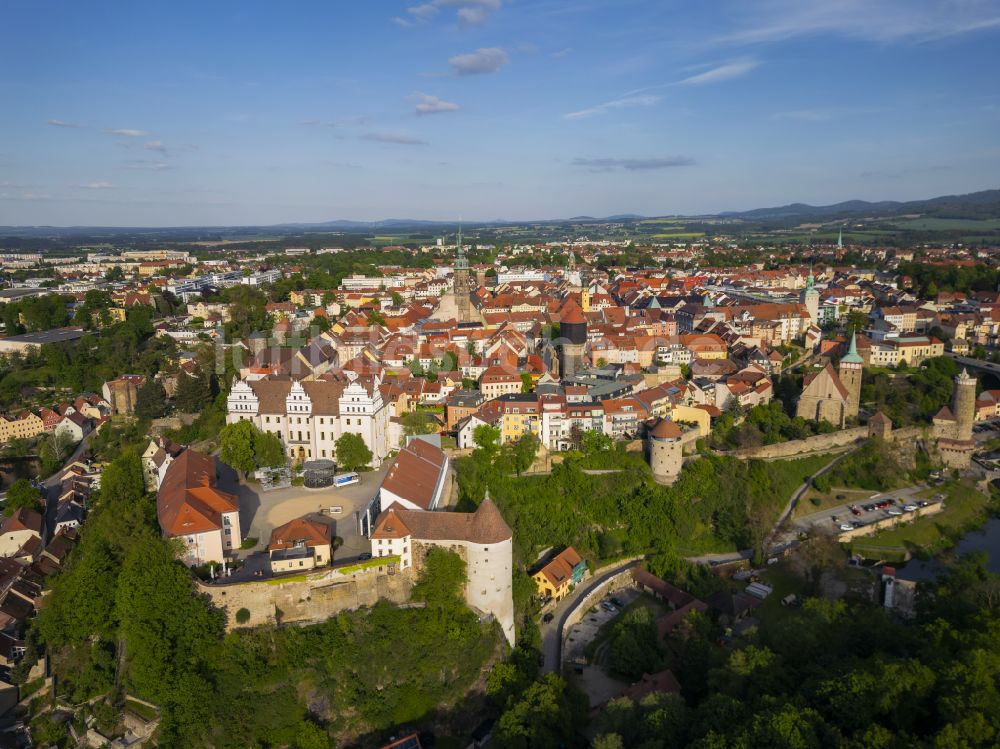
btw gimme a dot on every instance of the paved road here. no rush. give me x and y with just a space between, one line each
552 632
968 361
50 486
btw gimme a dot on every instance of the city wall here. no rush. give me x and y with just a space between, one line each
313 599
821 443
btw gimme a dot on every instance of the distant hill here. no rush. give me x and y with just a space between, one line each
975 205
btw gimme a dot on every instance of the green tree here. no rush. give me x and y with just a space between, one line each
397 299
523 452
546 716
526 383
487 438
416 422
352 452
150 400
22 494
193 393
268 450
237 443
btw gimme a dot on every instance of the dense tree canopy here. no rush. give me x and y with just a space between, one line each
352 452
21 494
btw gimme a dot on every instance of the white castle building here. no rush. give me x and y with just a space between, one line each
481 538
309 416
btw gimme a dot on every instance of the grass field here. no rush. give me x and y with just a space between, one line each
806 506
788 475
964 506
679 235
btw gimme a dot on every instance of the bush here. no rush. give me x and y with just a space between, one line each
243 616
248 543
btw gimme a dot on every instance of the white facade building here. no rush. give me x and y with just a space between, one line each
309 416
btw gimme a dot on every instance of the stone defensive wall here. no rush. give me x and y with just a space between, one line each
307 599
821 443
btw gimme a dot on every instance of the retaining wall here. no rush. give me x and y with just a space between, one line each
314 599
891 522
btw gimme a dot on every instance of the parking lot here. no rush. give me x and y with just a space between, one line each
583 632
261 512
862 512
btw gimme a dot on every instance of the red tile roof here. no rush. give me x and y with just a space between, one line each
189 501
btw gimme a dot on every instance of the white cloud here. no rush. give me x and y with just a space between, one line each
561 53
468 13
472 16
646 100
63 123
155 145
724 72
95 186
867 20
126 132
424 12
147 166
483 60
396 138
427 104
631 165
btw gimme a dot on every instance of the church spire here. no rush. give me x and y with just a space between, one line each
840 239
852 356
461 262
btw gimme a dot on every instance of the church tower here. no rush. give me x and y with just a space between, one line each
850 370
810 298
463 301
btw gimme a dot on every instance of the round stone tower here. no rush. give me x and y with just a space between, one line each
665 451
963 405
573 339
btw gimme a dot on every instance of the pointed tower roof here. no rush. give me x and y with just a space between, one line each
461 262
811 281
666 430
571 313
840 238
852 356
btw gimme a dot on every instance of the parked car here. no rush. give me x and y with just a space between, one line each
846 526
893 511
617 602
922 503
909 508
855 511
548 617
833 518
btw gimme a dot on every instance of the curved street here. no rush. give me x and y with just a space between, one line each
553 631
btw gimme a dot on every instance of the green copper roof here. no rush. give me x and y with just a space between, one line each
852 356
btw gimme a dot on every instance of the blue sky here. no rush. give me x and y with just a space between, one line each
180 113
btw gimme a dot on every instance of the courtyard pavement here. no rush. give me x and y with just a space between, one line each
261 512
